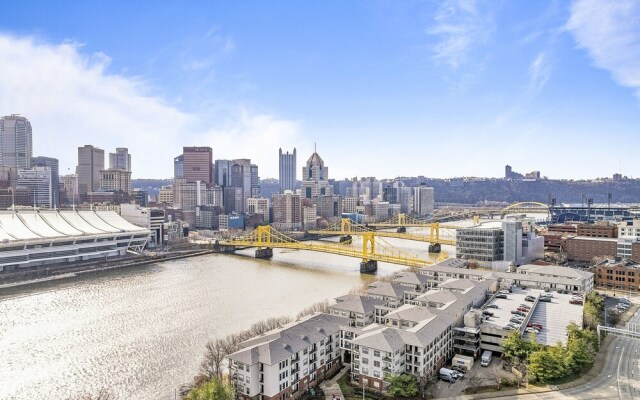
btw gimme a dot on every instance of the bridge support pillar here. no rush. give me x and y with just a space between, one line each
402 229
368 266
264 253
346 239
434 248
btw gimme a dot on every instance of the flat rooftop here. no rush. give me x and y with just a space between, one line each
554 316
502 314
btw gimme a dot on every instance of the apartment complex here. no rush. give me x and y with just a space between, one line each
285 362
423 200
39 181
287 211
412 324
115 180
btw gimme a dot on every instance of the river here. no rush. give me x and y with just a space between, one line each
140 332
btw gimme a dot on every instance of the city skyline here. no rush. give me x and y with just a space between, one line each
514 90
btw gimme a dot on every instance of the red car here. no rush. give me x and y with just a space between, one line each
534 325
524 310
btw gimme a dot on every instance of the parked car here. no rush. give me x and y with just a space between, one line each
509 328
527 306
518 313
626 301
575 301
545 299
524 310
516 320
447 378
534 325
489 313
501 296
532 330
530 299
546 295
504 291
623 306
492 306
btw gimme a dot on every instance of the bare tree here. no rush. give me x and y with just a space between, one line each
214 355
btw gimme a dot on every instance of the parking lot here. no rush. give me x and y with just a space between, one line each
555 316
478 376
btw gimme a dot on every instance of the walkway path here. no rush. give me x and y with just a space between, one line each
331 386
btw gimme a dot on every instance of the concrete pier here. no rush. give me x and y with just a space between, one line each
369 266
264 253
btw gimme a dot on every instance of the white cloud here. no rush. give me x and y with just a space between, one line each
460 26
72 100
610 32
539 72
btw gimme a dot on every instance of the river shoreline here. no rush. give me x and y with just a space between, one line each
72 271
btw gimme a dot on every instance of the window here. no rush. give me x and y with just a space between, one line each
247 379
365 350
365 361
376 363
376 374
376 353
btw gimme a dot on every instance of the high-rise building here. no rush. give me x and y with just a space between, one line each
15 142
287 170
55 175
121 159
178 166
70 184
165 195
115 180
315 178
38 181
423 200
90 163
287 210
258 205
223 173
197 164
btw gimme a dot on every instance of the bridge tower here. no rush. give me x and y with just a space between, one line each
434 238
263 234
368 247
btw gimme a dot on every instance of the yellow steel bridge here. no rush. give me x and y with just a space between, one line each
346 227
266 238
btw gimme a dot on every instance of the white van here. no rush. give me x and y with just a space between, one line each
487 355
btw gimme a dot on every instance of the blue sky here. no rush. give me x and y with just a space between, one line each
385 88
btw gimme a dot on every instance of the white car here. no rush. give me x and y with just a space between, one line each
625 301
504 291
532 330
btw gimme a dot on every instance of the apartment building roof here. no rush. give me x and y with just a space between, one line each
412 278
357 304
458 284
282 343
387 289
381 338
411 313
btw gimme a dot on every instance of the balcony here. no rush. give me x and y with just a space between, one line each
387 359
387 370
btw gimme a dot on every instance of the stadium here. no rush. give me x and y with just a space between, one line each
35 238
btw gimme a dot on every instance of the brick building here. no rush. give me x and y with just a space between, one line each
581 248
624 275
598 230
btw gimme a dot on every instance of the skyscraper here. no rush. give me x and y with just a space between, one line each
178 166
197 164
315 178
121 159
90 163
223 173
15 142
38 181
287 170
53 164
423 200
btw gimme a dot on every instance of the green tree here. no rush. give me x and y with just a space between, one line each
403 386
548 364
215 389
517 349
593 310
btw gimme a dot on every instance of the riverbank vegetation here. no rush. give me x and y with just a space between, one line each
214 368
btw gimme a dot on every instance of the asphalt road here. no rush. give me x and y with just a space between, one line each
620 377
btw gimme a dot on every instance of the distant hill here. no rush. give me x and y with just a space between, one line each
152 186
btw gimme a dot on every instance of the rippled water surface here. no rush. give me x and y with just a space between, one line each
140 332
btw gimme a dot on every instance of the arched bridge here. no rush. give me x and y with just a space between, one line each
266 238
346 227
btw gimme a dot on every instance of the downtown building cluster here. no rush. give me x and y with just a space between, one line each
221 195
413 324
